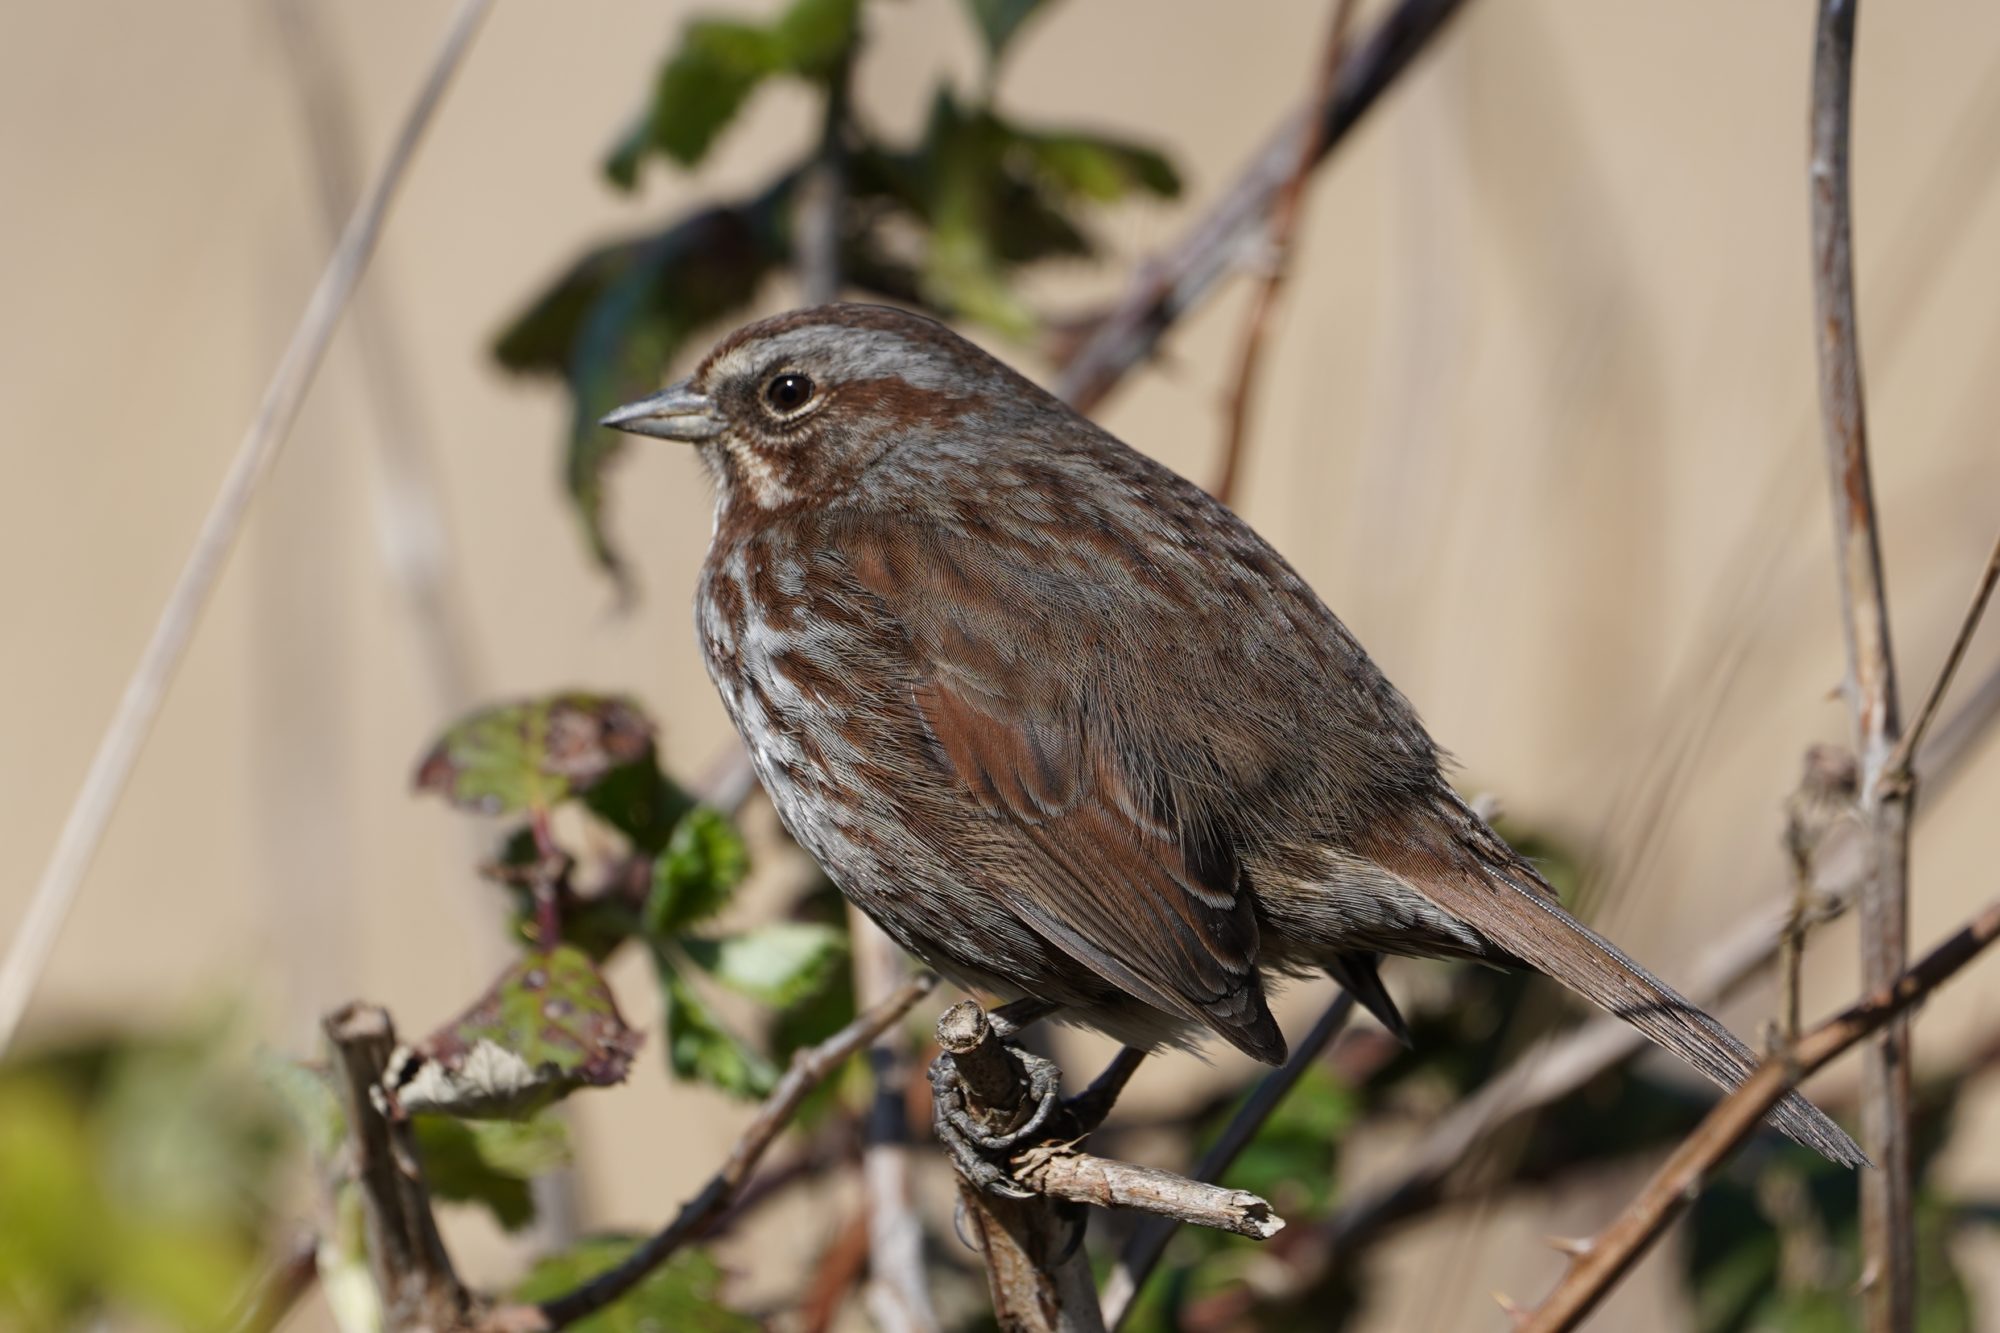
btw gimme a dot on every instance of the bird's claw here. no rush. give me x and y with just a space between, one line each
978 1152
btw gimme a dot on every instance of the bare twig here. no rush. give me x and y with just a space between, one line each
1902 761
1060 1172
809 1068
412 1271
1278 256
1887 1232
898 1297
112 765
1599 1263
1166 288
1148 1241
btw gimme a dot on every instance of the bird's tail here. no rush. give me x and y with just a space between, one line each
1461 866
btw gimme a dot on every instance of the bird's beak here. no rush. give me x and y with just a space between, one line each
677 412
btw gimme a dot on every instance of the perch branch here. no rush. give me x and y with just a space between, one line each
1599 1263
1278 257
1148 1241
1036 1271
118 751
1168 287
809 1068
1888 1235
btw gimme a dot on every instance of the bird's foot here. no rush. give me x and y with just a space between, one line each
978 1147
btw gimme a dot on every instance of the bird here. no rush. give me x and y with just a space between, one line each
1067 728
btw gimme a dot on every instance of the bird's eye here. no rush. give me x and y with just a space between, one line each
788 392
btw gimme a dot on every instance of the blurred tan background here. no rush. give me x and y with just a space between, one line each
1539 422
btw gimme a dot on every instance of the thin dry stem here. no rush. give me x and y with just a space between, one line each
111 767
1887 1231
1278 256
1902 761
1611 1254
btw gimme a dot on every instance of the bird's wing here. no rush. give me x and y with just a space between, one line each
1090 860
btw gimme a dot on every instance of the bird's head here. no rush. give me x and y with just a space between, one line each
792 410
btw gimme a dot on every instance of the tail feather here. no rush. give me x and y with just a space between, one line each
1470 874
1358 974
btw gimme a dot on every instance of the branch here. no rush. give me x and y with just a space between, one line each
1168 287
412 1271
1888 1236
1148 1241
118 751
1602 1261
809 1068
1284 223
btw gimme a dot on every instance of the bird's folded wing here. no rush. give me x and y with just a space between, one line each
1097 875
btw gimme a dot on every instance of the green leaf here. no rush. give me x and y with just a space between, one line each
683 1295
812 37
703 862
536 753
548 1026
780 964
1100 169
490 1162
998 21
705 83
699 1047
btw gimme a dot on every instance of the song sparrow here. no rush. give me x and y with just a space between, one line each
1070 730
